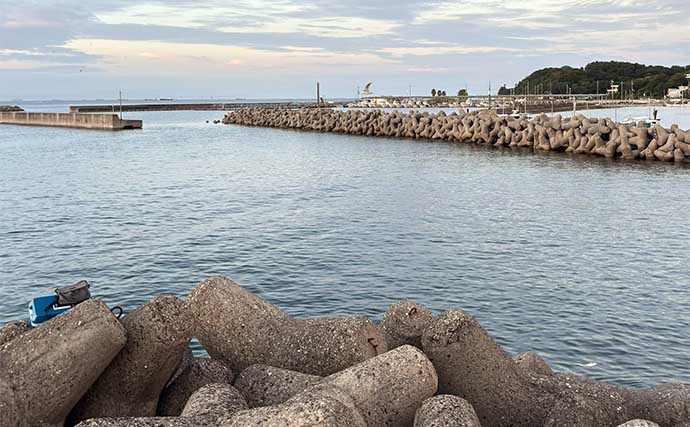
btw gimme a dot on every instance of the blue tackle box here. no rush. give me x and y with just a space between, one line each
42 309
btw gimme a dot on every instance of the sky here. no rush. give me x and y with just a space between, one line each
89 49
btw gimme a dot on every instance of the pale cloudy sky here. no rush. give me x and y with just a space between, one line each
72 49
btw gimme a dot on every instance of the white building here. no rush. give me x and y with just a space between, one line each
679 92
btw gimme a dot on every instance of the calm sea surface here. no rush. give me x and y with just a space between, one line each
585 261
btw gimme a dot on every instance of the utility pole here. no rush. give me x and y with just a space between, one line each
120 105
632 89
490 106
409 91
318 95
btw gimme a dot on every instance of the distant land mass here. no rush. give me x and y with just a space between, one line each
639 80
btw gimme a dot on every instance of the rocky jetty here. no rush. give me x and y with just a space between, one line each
577 135
87 368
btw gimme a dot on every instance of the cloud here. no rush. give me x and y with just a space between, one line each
162 45
132 57
427 69
258 16
443 50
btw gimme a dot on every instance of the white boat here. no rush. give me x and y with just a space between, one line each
516 114
645 121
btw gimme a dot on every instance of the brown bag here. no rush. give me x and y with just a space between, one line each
74 294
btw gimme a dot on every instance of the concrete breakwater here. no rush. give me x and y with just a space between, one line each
218 106
413 369
578 135
71 120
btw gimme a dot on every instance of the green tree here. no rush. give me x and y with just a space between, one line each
433 92
462 92
638 79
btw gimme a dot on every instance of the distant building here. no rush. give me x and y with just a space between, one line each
679 92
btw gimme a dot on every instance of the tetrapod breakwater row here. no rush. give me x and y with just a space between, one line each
416 368
577 134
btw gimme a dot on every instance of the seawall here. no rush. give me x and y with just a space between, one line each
179 107
579 135
71 120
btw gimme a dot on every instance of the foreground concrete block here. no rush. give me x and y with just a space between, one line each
145 422
199 372
241 329
666 404
404 323
214 402
44 372
584 402
157 336
11 331
446 411
389 388
383 391
321 405
471 365
265 385
639 423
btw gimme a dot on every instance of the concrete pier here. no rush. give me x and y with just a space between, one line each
70 120
111 108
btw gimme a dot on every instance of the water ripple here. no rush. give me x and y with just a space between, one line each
582 260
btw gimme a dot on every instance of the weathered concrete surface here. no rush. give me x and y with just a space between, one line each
639 423
263 385
241 329
321 405
44 372
404 322
12 330
198 373
582 401
184 363
70 120
389 388
532 363
470 364
383 391
157 337
214 402
666 404
145 422
446 411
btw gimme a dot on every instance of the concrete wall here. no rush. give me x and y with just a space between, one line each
83 121
179 107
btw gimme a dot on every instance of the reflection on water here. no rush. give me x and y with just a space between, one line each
583 260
